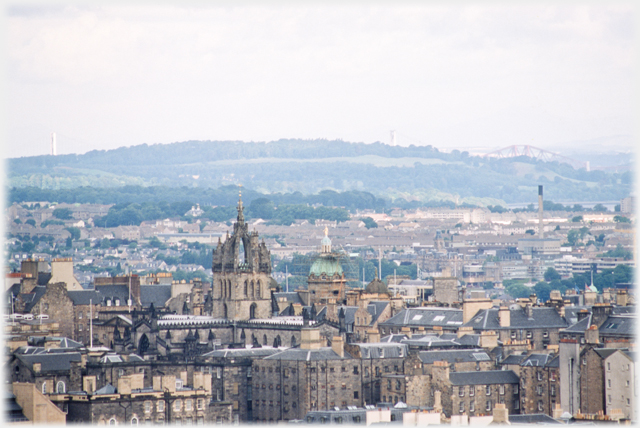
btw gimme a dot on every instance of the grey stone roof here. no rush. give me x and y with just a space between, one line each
291 297
382 350
158 294
239 353
426 317
607 352
513 359
537 360
489 377
32 299
396 338
113 292
106 390
58 361
64 343
542 317
349 313
85 297
619 325
297 354
375 308
454 356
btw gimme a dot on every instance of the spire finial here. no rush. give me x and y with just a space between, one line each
326 231
240 209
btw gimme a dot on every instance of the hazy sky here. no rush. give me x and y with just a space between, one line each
475 75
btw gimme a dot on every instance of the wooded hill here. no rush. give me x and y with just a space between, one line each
402 174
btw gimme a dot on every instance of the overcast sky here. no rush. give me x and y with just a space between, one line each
475 75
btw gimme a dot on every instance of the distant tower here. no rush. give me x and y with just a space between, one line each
53 144
393 138
540 211
326 278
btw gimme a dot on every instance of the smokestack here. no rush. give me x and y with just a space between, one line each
540 222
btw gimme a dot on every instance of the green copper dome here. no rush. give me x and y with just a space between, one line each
326 265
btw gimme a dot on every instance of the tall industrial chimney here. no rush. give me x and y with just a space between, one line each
540 221
53 144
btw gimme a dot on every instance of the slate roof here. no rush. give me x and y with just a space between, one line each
106 390
291 297
489 377
239 353
58 361
32 299
454 356
426 317
513 359
607 352
578 327
12 410
322 354
382 350
375 308
85 297
43 278
537 360
396 338
158 294
619 325
542 317
119 291
63 342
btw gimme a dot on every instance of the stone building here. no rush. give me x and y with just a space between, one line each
36 407
232 377
51 300
539 383
168 401
241 275
289 384
326 279
474 393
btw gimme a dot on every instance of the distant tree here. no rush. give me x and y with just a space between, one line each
369 222
600 208
63 213
621 219
17 221
69 242
74 231
577 219
530 231
551 274
617 208
31 221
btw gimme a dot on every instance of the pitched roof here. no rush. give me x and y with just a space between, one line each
537 360
32 299
57 361
86 297
158 294
382 350
106 390
322 354
376 308
454 356
619 325
290 297
426 317
242 352
538 418
489 377
542 317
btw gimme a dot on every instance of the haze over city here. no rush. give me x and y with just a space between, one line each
475 75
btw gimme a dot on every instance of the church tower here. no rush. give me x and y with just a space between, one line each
241 274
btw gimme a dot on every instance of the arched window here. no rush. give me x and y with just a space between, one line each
112 421
252 289
60 388
229 284
264 340
44 387
221 289
293 341
134 421
143 344
258 294
224 306
246 288
252 311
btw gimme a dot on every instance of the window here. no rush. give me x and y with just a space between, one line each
609 399
552 376
488 390
608 366
627 383
134 421
355 369
188 404
552 392
356 419
516 404
472 406
219 372
189 421
462 407
545 334
539 389
472 391
501 389
355 395
177 405
461 391
344 386
398 385
540 407
80 315
60 387
539 376
529 335
160 406
112 421
344 369
515 388
120 372
44 387
488 406
513 334
609 383
147 406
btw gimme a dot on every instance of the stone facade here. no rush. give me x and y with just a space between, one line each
241 275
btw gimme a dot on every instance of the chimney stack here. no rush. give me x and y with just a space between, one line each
337 344
540 222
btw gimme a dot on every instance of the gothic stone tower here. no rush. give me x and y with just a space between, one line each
241 275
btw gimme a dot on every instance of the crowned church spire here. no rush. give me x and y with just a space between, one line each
240 208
